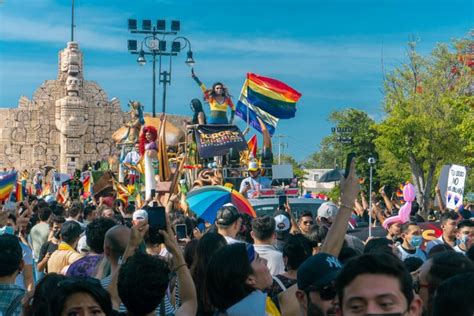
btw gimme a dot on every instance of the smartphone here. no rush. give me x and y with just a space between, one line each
181 231
157 221
282 199
153 193
350 156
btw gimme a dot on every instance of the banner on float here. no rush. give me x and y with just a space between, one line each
217 140
455 189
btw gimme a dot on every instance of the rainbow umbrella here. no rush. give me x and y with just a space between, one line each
206 201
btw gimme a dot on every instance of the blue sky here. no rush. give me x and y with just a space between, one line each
330 51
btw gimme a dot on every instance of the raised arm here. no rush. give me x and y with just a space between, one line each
349 189
439 199
387 201
199 83
187 289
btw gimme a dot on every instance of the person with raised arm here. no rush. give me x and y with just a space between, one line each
219 99
142 280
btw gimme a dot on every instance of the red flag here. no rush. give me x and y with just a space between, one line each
252 144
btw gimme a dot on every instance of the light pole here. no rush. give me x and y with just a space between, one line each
371 162
154 46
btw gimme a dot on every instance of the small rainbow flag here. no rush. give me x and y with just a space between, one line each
60 195
268 99
87 185
19 192
7 183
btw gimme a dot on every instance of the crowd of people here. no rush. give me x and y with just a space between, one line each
82 258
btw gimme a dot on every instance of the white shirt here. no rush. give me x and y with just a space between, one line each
255 185
274 258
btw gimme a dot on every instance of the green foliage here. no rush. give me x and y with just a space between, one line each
429 119
333 153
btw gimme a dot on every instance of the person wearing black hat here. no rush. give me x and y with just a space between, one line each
316 292
66 254
228 222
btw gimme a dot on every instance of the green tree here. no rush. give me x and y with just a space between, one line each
361 129
420 129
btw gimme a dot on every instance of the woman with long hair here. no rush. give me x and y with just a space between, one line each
219 99
236 279
206 247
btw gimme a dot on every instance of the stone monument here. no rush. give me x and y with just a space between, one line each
68 122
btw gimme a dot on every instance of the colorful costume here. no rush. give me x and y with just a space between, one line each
218 113
149 150
132 158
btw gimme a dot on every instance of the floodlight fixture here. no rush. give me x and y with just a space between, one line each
161 25
132 45
175 26
132 24
175 47
146 25
162 46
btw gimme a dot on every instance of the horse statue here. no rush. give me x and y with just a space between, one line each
128 134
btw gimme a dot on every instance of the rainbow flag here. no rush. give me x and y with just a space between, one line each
87 184
268 99
19 192
7 183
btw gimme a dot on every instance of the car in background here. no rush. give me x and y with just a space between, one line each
299 206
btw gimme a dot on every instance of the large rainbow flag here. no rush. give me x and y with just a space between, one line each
268 99
7 183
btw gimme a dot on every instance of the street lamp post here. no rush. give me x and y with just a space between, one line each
371 162
152 45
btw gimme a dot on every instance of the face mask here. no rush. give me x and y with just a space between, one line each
57 234
416 241
463 240
7 230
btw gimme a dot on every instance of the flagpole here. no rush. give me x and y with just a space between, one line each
248 108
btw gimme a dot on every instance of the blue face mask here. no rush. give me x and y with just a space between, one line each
463 240
416 241
7 230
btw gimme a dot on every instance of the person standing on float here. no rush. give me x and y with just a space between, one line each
219 99
149 152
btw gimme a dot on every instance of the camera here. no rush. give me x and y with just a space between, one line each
371 160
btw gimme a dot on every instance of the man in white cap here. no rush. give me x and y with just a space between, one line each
255 182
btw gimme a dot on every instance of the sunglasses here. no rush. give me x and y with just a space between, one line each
308 222
417 286
326 292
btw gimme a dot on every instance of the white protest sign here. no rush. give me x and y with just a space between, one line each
455 189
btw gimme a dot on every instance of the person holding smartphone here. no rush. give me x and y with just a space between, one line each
255 182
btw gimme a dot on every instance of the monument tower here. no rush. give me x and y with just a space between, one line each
68 122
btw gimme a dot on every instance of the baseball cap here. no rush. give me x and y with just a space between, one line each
328 210
71 230
282 223
317 270
253 166
140 215
227 215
